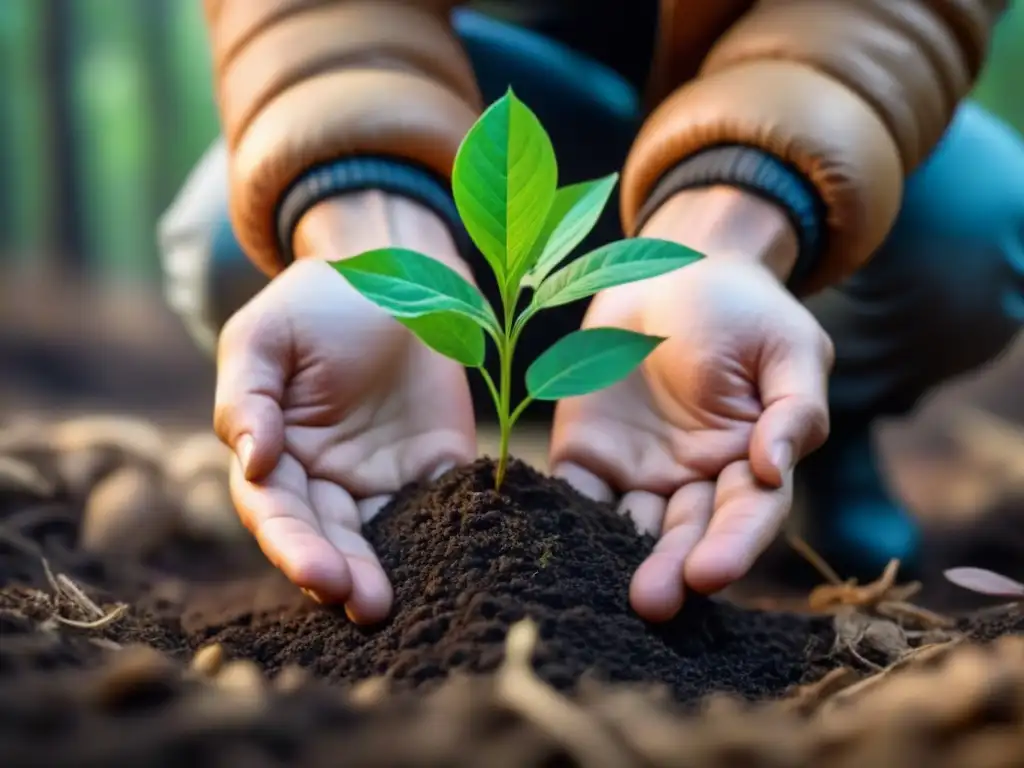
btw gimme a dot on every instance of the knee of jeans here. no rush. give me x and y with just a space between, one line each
960 232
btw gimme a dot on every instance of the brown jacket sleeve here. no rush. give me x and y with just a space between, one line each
853 93
303 82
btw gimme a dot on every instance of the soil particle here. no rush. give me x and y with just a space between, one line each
467 562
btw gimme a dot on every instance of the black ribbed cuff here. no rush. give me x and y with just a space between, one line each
360 174
760 173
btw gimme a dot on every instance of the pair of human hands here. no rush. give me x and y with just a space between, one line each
322 397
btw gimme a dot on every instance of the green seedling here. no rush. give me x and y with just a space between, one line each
505 183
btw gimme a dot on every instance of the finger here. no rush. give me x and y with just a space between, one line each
647 511
795 420
279 514
584 481
747 516
370 598
252 373
370 507
656 591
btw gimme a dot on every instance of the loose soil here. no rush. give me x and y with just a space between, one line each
467 563
438 683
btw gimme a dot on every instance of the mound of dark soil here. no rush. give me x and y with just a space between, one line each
468 562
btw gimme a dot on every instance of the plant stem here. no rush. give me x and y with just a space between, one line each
506 351
489 381
519 411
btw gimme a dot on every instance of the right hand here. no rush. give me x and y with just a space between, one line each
331 406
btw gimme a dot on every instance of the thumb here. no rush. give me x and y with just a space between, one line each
252 371
795 418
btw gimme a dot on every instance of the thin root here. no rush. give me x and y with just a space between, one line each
805 699
524 693
113 616
922 655
850 593
882 597
806 551
63 586
905 612
75 593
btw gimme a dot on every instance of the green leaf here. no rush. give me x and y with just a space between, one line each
624 261
573 215
408 284
586 361
504 181
451 334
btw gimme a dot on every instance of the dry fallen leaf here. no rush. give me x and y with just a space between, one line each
985 582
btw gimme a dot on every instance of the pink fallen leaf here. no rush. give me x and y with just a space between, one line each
985 582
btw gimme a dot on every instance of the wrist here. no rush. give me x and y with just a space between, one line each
725 222
346 225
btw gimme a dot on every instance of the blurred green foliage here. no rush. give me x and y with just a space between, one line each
141 108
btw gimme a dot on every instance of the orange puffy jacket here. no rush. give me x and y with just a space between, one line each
854 93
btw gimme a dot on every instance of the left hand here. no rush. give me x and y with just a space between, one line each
700 443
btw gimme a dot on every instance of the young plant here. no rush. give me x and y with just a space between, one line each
505 183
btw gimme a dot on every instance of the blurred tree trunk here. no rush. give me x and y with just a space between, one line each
161 93
64 231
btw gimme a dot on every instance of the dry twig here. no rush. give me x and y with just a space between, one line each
64 587
805 699
522 691
918 656
882 597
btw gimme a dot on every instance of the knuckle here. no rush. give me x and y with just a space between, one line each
818 425
236 333
224 418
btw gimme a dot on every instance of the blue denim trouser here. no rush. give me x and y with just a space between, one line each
944 294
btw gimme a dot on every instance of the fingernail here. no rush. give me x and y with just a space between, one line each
312 595
441 470
246 444
782 457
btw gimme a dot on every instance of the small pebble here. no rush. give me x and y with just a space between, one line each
369 692
133 672
291 679
81 470
208 660
241 677
126 514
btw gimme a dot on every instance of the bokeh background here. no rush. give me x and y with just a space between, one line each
105 105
